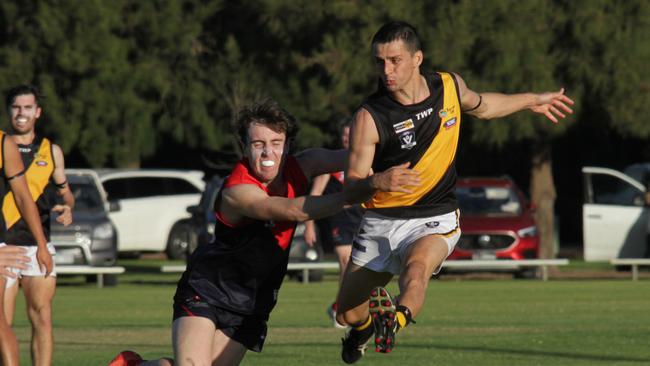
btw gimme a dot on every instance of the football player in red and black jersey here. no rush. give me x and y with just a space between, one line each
224 298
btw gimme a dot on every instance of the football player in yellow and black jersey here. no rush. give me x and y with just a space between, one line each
44 172
411 223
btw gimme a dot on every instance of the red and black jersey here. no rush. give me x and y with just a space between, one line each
243 268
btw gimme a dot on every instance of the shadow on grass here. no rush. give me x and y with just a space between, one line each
534 353
524 353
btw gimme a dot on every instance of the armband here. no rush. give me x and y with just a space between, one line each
480 100
16 176
60 185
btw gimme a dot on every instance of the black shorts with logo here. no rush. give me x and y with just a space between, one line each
249 330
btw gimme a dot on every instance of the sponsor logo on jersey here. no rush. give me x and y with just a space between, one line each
41 163
424 114
450 123
445 112
404 126
407 139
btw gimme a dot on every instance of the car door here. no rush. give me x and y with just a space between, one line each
150 206
614 215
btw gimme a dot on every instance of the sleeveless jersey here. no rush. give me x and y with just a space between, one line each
424 134
244 266
39 167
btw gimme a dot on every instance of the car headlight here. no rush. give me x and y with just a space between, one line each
103 231
527 232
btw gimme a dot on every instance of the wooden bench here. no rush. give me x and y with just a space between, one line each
634 262
90 270
481 264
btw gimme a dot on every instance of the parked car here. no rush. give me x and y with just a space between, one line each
615 213
201 231
153 206
496 221
91 239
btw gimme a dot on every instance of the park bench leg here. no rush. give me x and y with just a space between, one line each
635 272
100 280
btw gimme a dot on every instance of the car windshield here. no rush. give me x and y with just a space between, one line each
488 201
87 197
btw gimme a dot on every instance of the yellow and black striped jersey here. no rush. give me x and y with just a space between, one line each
39 167
424 134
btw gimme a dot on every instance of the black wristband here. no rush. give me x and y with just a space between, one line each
480 100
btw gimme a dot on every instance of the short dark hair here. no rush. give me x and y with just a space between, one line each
268 113
398 30
23 89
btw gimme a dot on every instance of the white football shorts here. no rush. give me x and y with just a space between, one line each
381 242
32 267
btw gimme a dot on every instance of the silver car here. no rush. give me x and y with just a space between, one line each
91 239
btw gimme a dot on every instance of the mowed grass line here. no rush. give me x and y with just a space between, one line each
469 322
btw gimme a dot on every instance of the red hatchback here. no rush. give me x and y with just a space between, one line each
496 221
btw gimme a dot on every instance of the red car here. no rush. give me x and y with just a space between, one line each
496 221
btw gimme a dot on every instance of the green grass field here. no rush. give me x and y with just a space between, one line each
465 322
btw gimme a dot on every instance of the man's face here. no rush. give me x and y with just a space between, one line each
265 151
396 65
24 112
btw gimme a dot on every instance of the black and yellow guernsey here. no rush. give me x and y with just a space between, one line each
424 134
4 184
39 167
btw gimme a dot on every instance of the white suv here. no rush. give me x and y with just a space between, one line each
152 206
615 215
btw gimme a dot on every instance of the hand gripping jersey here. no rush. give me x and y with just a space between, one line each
39 167
424 134
243 268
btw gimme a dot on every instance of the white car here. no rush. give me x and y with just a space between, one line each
152 205
614 213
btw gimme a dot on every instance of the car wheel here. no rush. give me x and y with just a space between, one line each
179 241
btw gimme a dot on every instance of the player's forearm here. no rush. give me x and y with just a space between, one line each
314 207
68 199
359 190
497 105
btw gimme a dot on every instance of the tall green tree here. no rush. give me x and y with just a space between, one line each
117 75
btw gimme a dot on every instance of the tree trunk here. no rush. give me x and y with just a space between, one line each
542 193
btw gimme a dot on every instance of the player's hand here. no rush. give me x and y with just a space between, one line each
553 105
396 179
12 257
44 259
65 214
310 234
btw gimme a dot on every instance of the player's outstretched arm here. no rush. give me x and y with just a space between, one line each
491 105
318 161
250 201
